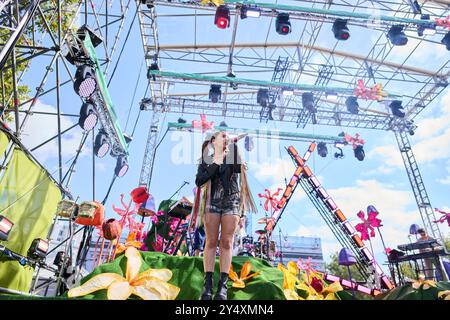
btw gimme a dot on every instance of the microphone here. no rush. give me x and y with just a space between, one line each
239 137
186 182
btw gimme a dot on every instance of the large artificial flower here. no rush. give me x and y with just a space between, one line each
444 295
148 285
238 282
425 284
311 286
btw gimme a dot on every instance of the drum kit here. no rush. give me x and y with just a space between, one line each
264 247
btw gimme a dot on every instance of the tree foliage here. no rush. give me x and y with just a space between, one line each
35 31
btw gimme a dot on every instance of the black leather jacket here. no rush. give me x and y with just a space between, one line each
225 174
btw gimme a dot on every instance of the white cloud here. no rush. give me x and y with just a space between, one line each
431 139
40 127
275 170
396 208
425 50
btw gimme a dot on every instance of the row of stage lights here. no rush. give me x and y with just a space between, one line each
85 85
308 101
396 35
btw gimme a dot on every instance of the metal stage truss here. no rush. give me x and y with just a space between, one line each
308 61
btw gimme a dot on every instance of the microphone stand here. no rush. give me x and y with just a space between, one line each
167 213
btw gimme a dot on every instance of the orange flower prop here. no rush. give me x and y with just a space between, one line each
131 242
238 282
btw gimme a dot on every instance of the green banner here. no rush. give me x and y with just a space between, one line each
28 197
3 143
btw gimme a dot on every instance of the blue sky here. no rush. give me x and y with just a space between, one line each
380 180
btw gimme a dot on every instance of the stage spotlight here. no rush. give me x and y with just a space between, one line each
250 11
359 153
101 144
96 39
322 149
5 228
446 41
352 105
426 29
215 94
223 124
397 36
127 138
85 83
181 120
262 98
308 101
340 29
121 166
397 108
222 17
59 259
282 24
88 116
38 249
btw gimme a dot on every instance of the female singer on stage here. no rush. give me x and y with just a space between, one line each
223 197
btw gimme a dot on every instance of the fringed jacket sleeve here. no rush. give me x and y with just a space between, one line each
205 172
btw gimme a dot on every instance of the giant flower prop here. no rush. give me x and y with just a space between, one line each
307 287
425 284
444 295
307 266
238 282
374 93
203 124
270 199
148 285
445 217
368 225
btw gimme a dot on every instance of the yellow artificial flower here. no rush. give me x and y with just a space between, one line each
315 289
214 2
148 285
427 284
444 295
327 293
290 275
238 282
291 294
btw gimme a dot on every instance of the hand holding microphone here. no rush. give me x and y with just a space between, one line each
239 137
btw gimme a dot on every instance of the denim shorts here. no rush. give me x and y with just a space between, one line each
224 205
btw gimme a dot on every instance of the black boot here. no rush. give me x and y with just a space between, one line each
221 293
208 286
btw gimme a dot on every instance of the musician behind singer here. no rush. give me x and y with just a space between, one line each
429 262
